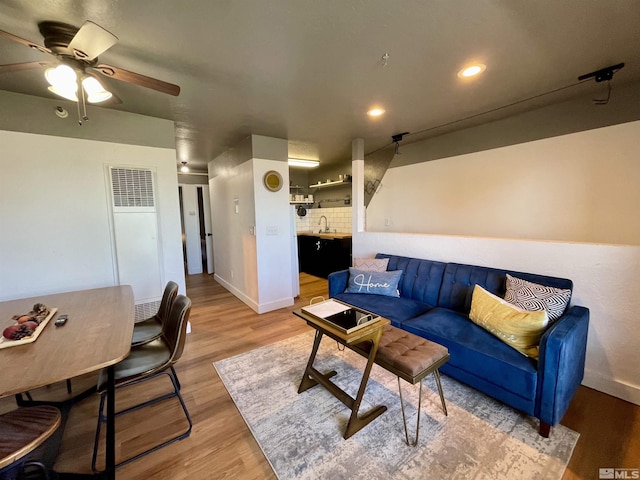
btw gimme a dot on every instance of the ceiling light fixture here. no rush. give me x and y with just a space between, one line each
472 70
375 112
298 162
64 82
184 168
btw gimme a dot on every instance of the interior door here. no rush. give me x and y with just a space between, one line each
206 210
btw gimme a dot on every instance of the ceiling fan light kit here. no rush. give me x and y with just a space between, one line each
77 50
64 82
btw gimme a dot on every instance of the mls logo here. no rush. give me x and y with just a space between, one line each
621 473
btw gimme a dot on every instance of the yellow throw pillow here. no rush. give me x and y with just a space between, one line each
520 329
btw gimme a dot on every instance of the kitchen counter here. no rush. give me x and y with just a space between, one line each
325 234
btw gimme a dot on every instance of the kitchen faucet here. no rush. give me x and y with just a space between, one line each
326 223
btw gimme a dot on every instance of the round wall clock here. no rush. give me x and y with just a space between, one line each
272 180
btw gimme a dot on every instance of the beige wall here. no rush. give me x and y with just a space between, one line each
581 187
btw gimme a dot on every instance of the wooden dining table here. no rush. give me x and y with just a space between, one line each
97 335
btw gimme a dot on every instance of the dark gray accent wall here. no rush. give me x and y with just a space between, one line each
375 164
254 146
29 114
576 115
335 196
233 157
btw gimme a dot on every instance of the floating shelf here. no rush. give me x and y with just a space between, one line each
329 184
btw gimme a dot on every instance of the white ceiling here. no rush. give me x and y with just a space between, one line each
308 70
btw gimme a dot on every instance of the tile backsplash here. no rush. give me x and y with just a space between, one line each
338 219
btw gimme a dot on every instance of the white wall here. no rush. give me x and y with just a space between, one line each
234 244
605 277
55 221
581 187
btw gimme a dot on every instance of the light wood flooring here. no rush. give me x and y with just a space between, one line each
221 446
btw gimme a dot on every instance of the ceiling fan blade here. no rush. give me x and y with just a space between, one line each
91 40
138 79
28 43
16 67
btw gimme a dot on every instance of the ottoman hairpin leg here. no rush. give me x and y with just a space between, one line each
436 374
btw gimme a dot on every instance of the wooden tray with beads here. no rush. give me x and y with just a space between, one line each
6 343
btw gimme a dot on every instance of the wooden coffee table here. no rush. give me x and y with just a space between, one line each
370 333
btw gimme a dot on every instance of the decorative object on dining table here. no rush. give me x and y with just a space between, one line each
27 327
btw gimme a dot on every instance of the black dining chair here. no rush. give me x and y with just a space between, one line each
150 329
146 362
25 434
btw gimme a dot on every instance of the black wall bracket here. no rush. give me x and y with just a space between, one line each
603 74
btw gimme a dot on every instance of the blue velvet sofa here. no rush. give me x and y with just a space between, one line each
434 303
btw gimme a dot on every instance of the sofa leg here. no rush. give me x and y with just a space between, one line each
545 429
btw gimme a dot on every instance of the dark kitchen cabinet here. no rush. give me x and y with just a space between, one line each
320 256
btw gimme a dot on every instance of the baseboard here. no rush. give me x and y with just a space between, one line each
255 306
276 304
238 293
611 386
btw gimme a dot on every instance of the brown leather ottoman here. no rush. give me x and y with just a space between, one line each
411 358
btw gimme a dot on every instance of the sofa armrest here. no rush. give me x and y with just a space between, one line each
338 282
561 364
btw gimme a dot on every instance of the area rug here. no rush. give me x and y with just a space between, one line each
301 434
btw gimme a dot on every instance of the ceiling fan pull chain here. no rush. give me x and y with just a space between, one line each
81 116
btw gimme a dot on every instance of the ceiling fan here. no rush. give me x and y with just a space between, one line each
74 74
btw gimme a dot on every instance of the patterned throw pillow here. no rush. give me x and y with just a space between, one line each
379 283
371 264
518 328
532 296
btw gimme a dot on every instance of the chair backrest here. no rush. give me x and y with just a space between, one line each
174 330
168 297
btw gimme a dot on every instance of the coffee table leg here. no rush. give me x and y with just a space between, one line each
356 422
308 382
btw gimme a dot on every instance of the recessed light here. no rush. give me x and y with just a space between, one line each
472 70
375 112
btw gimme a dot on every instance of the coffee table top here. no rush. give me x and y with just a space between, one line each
348 338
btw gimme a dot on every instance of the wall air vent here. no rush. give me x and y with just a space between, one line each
132 187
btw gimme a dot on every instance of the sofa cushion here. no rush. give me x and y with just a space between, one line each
477 351
458 281
371 264
395 309
518 328
533 296
421 278
379 283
